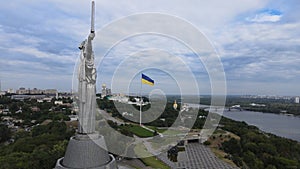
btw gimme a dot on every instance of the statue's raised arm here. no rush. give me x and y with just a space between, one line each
91 36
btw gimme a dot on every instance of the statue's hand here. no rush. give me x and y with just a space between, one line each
81 46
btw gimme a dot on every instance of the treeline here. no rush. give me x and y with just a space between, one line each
276 106
271 105
37 149
259 150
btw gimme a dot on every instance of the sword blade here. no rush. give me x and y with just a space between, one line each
93 18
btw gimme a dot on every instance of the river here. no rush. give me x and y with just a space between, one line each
280 125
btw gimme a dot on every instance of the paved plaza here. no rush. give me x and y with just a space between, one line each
200 156
197 157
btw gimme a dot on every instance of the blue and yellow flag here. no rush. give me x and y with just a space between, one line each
147 80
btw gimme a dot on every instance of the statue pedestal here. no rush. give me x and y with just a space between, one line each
86 152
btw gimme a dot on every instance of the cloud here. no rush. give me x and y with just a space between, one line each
43 55
267 16
257 40
261 54
145 52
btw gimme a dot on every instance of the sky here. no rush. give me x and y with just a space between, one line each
258 42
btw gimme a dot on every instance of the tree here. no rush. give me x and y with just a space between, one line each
16 160
249 157
232 146
207 143
41 158
250 146
5 100
237 160
38 130
4 133
20 134
268 148
57 128
271 167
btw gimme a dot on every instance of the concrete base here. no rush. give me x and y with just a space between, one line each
86 152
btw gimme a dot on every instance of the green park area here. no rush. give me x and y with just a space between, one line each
156 129
154 162
138 131
149 160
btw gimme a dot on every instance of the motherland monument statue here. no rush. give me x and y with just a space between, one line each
87 84
87 149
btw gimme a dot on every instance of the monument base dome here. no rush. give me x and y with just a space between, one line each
86 152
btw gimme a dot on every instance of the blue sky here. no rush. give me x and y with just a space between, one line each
258 42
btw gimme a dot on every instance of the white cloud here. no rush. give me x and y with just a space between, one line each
32 65
43 55
260 55
8 39
265 17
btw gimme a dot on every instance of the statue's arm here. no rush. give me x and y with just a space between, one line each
89 46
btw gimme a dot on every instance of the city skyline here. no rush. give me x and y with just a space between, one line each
257 42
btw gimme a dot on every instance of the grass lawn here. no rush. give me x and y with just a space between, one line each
155 128
165 131
151 161
154 163
156 144
141 150
138 131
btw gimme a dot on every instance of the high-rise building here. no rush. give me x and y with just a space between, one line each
22 90
103 91
36 91
50 91
108 91
10 91
1 92
297 100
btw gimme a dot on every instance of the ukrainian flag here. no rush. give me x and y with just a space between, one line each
147 80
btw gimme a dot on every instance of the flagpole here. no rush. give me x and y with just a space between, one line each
141 101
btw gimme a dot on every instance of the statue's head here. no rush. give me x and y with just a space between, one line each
82 45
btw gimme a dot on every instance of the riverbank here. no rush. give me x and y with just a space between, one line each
281 125
287 126
257 149
266 105
276 105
